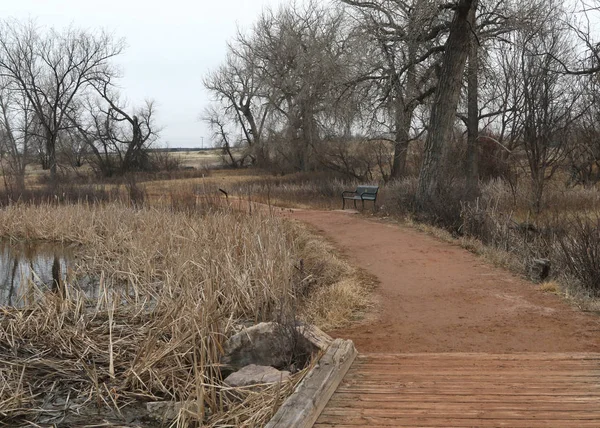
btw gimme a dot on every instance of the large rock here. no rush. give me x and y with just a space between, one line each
255 375
265 344
272 344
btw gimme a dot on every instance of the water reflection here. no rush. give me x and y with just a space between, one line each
26 270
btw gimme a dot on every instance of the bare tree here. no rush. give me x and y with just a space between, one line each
17 134
446 99
222 135
551 101
237 91
300 54
408 36
584 153
492 22
51 68
118 140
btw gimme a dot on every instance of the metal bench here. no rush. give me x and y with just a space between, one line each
362 193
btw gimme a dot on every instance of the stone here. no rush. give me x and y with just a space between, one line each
255 375
264 344
271 344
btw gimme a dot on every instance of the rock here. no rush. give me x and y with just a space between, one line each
271 344
539 269
265 344
254 375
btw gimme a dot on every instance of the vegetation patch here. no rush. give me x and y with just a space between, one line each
171 288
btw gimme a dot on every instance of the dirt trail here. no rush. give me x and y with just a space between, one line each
437 297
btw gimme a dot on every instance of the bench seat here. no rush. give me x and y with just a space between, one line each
362 193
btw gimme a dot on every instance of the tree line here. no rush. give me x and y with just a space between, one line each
60 103
355 85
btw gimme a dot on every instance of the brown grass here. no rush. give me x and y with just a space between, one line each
172 286
550 287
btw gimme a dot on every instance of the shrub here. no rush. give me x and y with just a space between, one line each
581 252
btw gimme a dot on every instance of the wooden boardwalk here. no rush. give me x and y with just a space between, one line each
467 390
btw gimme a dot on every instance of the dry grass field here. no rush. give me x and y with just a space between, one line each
182 259
176 274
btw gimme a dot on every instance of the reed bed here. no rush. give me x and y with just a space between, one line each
171 287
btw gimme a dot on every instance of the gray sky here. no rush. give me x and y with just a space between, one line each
170 45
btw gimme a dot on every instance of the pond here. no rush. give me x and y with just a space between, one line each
28 270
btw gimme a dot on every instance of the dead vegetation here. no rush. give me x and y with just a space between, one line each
171 287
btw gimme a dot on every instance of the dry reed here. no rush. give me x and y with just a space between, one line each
170 288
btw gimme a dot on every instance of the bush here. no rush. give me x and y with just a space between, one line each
581 252
316 189
58 194
361 160
399 198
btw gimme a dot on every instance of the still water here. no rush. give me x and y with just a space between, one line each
27 271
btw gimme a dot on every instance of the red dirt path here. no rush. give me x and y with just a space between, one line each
437 297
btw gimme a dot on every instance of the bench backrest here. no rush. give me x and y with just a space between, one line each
367 192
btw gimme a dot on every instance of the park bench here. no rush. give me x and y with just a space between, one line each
362 193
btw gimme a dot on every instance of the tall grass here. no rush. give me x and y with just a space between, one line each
172 286
315 190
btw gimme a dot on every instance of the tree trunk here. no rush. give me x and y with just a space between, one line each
472 118
404 111
444 107
402 138
537 184
20 180
51 153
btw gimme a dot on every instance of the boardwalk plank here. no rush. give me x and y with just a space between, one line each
467 390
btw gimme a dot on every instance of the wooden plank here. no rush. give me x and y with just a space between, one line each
442 412
592 369
403 378
527 356
526 390
336 403
458 423
591 385
477 391
315 336
542 424
304 406
434 364
371 421
466 398
539 378
512 365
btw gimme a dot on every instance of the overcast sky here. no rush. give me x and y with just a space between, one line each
170 45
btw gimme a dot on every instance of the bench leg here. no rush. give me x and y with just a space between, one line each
354 203
343 203
363 204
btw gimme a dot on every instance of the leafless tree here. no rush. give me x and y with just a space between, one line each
444 107
238 96
17 134
492 22
584 153
51 68
300 55
118 140
223 135
408 39
551 101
